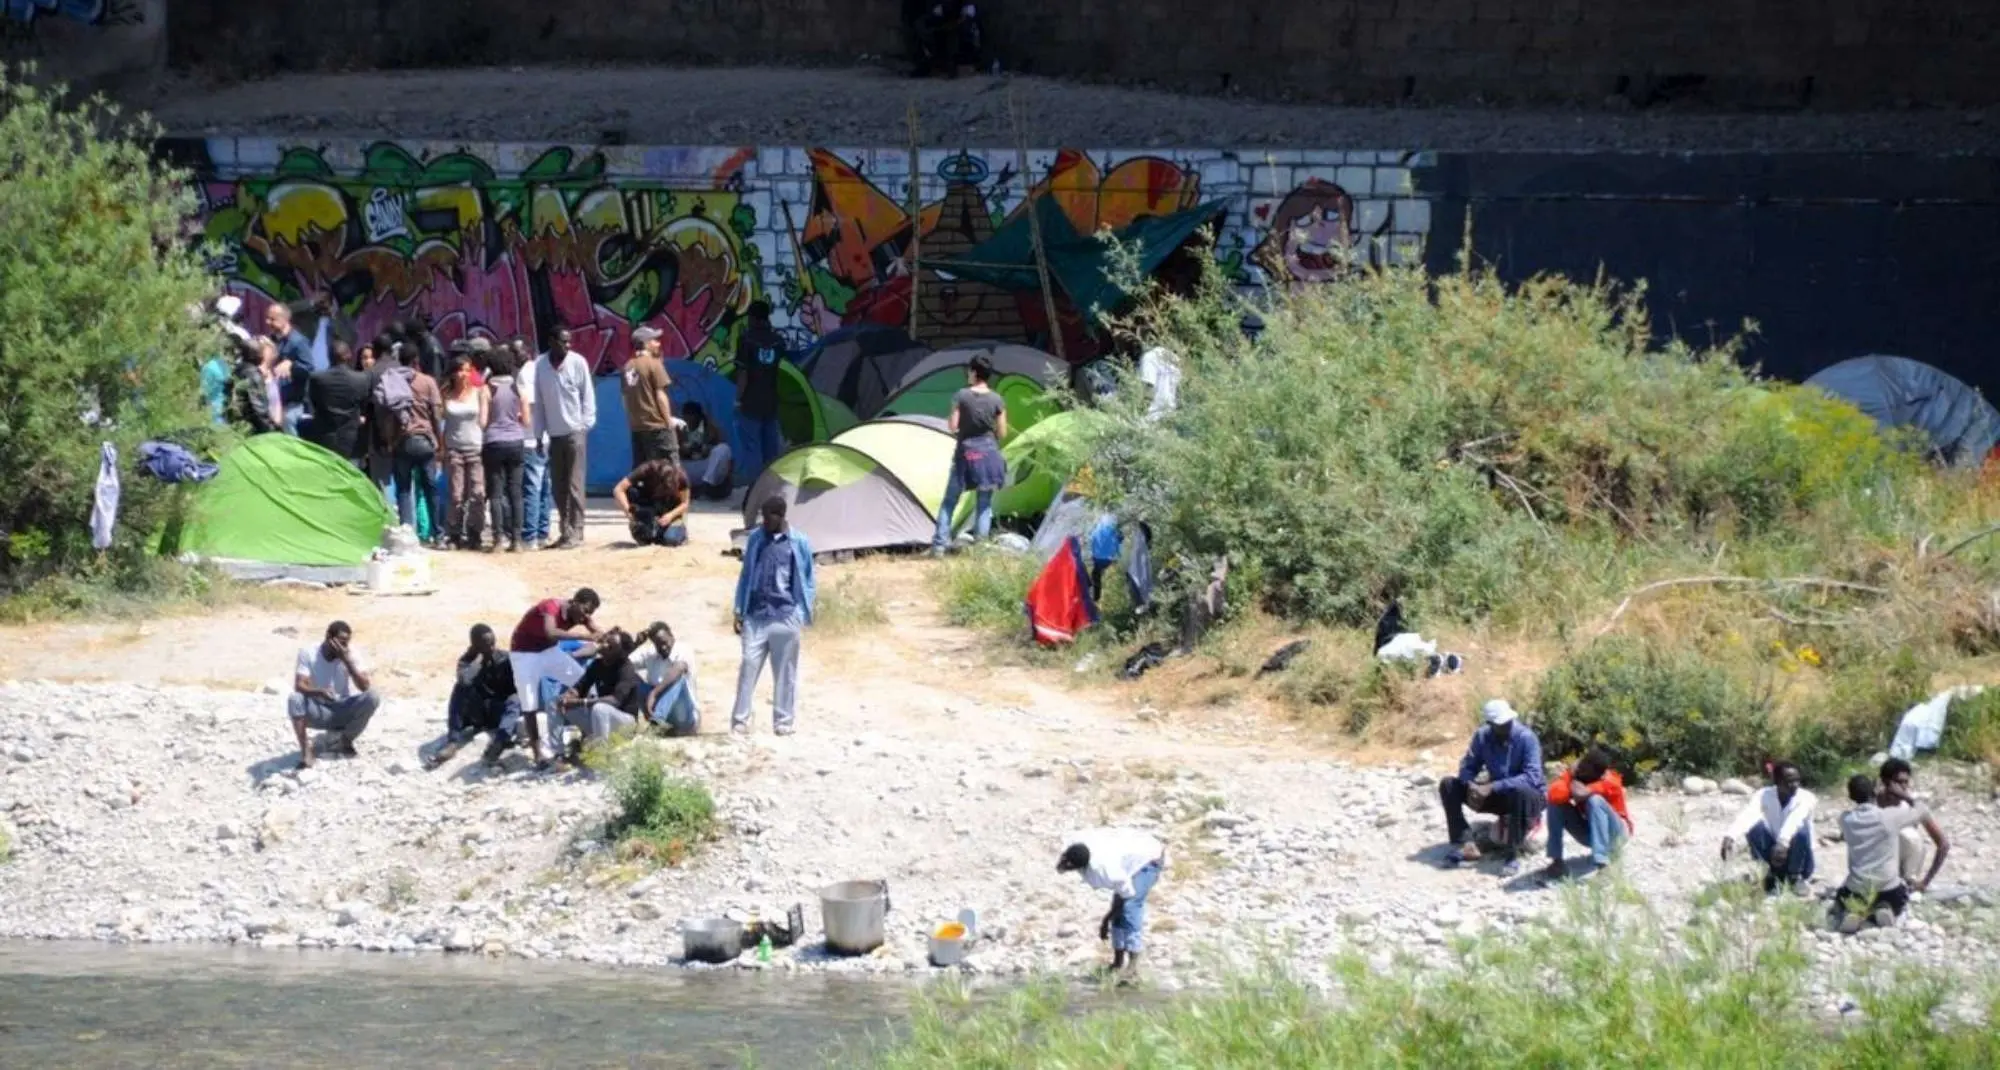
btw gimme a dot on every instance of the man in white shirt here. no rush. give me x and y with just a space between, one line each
566 408
1777 826
1160 370
538 497
1126 863
669 672
330 692
1875 888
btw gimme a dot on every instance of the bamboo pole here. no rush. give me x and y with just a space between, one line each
1035 228
916 227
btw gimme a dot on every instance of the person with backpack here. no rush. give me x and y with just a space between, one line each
413 408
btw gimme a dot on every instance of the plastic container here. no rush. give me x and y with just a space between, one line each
948 944
400 573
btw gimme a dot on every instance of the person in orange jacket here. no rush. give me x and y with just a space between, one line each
1588 802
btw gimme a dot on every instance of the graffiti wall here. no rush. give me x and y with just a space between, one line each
505 240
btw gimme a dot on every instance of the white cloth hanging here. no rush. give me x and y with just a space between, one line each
104 504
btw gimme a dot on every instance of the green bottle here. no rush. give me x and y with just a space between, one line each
764 948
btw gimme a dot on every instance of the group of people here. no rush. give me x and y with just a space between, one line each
1889 835
561 669
488 442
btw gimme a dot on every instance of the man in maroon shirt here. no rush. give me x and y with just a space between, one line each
534 653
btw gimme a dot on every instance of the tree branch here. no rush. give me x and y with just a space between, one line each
1733 581
1970 539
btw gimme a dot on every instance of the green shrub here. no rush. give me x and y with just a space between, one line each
660 817
1603 980
97 343
1972 729
986 589
1488 450
1857 715
1653 707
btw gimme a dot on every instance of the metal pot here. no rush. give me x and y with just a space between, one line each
853 914
711 939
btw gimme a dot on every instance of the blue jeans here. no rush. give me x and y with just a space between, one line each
676 709
982 510
762 437
538 495
1129 924
1597 825
413 480
1798 865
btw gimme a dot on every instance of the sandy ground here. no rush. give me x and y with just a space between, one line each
145 770
870 106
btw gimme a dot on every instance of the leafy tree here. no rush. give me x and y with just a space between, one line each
99 340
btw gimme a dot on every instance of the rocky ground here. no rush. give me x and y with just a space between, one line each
870 106
146 809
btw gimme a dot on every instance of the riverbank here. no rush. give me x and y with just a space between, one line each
146 776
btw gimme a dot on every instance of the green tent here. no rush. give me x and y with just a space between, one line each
283 500
1080 264
875 485
804 414
1027 400
1040 461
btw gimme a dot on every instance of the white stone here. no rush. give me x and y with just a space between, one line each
1696 785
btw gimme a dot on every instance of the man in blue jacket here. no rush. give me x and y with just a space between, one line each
1515 788
774 604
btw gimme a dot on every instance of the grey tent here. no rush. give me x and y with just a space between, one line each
1960 425
862 365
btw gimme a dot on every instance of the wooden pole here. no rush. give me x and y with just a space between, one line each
916 226
1035 228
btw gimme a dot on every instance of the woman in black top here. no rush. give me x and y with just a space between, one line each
979 420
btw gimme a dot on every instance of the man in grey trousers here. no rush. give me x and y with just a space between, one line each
565 405
330 693
774 605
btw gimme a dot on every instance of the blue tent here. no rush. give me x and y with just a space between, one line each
609 456
1960 425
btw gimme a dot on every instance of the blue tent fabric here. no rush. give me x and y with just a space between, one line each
1962 426
1081 264
609 453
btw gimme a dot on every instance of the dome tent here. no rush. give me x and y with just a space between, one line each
1960 426
1023 377
861 365
874 486
282 500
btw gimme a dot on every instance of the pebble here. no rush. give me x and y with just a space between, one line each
1697 785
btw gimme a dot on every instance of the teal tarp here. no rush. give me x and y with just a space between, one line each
1081 264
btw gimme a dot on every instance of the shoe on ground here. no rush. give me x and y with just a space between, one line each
1454 664
344 748
1511 868
1849 924
496 748
1885 918
1463 854
1555 871
739 730
785 731
1433 665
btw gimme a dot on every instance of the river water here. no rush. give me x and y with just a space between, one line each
109 1007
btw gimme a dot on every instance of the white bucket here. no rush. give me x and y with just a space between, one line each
948 944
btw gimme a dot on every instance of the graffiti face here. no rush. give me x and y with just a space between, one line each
475 252
1311 235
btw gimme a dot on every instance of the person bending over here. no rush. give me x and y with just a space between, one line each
535 653
654 499
1127 863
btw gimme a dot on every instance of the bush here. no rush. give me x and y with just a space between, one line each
1972 729
847 606
1857 715
1476 446
1730 989
96 340
661 817
1653 708
987 589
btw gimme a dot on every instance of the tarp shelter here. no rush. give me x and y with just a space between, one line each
1961 426
1080 265
283 500
875 485
861 365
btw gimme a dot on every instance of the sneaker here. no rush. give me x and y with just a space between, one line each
1463 854
491 755
783 730
1849 924
739 730
1555 871
1454 664
1511 868
344 748
513 546
1885 918
1433 666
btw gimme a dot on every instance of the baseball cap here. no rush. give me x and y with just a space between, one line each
644 335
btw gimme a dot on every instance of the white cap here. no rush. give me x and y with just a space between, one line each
229 305
1497 711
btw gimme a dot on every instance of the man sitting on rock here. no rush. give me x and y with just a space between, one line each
1126 863
1777 826
1588 802
1896 793
535 653
482 700
1874 889
654 499
1514 788
670 698
330 692
611 695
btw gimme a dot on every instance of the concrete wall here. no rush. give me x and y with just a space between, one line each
1767 53
89 44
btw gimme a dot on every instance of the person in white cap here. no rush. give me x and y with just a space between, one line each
1515 788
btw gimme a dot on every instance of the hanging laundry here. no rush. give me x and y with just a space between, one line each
1059 603
104 503
172 463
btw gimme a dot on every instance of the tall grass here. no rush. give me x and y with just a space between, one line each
986 589
847 606
1606 982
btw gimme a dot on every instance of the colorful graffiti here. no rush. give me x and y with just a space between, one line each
512 239
451 240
